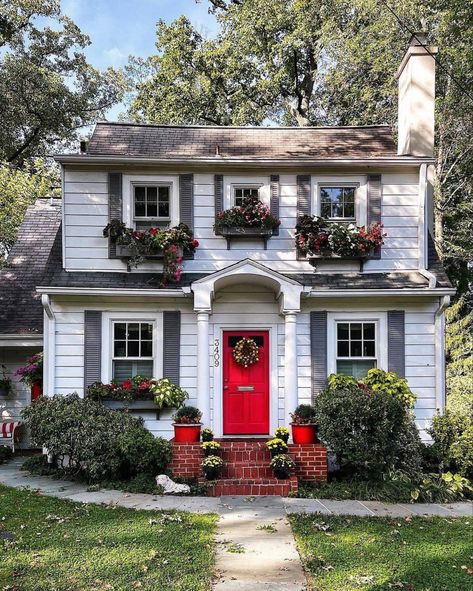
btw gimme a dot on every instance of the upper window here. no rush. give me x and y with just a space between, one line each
240 193
356 348
337 202
152 202
132 350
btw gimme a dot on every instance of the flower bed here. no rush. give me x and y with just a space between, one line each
169 244
318 238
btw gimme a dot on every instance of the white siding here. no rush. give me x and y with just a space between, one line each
86 214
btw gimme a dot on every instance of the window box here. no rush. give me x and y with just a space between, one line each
125 252
329 255
235 232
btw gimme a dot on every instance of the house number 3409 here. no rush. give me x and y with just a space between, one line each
216 352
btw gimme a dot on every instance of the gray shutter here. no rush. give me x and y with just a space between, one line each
274 202
374 204
396 342
218 190
171 345
318 351
186 204
92 347
303 194
114 206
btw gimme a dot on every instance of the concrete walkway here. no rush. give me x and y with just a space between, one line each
255 546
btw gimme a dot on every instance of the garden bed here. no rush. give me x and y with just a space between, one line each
373 553
60 545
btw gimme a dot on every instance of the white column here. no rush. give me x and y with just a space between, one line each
290 365
203 366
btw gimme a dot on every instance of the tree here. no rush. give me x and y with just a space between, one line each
48 91
18 189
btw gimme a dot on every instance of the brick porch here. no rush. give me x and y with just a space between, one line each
246 467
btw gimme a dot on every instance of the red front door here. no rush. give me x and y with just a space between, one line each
246 389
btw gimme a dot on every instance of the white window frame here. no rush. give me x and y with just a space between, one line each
381 337
233 182
151 218
108 321
129 182
361 200
244 186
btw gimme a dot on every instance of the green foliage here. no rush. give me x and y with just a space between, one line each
366 430
340 381
207 434
459 351
442 488
80 433
304 415
142 452
168 395
5 453
388 382
452 435
187 415
48 90
251 214
18 190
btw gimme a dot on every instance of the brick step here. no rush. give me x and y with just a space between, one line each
259 457
250 486
244 470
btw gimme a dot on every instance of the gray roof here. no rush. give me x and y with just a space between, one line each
398 280
241 143
20 306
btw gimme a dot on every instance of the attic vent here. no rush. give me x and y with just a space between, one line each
217 151
83 147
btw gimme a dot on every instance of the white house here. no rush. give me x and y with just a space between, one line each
102 321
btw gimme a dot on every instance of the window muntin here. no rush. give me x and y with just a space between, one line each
241 192
337 202
132 350
152 202
356 350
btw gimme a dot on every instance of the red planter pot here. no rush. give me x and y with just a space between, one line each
186 433
36 391
304 433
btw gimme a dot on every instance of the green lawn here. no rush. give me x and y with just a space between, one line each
376 554
65 546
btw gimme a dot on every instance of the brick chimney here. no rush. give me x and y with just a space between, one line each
416 116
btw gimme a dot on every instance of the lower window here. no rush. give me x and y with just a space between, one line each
133 353
356 348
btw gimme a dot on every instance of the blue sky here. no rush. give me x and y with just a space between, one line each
119 28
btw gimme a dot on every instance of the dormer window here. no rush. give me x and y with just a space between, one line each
151 205
242 192
337 202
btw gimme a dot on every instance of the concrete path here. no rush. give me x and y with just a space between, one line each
255 546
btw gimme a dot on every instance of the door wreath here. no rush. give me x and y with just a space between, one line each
246 352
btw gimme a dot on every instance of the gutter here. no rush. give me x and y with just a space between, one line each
98 291
49 347
422 292
222 160
21 340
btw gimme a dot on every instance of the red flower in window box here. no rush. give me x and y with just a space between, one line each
127 384
153 231
195 243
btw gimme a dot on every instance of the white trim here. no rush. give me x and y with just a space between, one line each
342 180
129 180
63 215
230 182
423 225
379 318
49 348
161 293
108 318
21 340
301 164
219 328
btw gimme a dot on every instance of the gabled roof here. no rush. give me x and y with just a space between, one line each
170 142
21 311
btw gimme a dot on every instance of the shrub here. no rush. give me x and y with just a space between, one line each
187 415
364 429
388 382
83 436
142 452
441 488
5 453
452 435
304 414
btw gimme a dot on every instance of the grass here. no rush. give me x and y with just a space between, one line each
380 554
59 545
354 488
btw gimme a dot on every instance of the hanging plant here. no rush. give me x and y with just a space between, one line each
246 352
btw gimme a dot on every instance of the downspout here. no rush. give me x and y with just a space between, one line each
440 385
423 235
49 346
